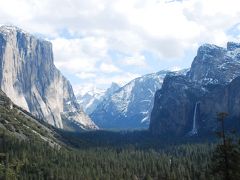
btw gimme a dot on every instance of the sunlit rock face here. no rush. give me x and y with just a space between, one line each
30 79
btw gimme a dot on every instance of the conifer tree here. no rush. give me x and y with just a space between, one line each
225 160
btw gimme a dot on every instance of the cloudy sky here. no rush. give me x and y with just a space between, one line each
96 42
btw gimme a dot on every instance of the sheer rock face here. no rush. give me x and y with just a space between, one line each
215 65
212 81
30 79
222 98
173 106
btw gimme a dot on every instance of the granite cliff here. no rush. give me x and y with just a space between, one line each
30 79
188 104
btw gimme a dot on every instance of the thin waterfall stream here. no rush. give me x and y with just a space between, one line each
194 126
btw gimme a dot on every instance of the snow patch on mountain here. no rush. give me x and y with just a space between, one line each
131 105
90 97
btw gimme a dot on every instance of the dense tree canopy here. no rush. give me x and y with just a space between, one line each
104 155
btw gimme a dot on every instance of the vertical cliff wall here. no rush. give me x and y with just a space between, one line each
30 79
212 83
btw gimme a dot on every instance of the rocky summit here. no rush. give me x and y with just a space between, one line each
30 79
188 104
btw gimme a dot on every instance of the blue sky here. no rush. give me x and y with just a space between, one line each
96 42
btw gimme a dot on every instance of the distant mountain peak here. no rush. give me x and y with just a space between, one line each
114 85
113 88
214 64
231 46
210 49
89 99
131 105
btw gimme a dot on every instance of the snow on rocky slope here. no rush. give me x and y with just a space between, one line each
130 106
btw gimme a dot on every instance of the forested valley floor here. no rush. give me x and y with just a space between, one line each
108 156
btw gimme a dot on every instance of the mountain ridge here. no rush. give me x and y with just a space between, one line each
130 106
213 71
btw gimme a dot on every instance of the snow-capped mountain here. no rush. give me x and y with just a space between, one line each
30 79
131 105
89 99
216 65
188 104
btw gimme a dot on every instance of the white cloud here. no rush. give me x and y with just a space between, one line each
80 54
85 75
85 32
108 68
135 60
120 79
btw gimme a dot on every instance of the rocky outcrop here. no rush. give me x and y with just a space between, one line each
215 65
221 98
211 86
173 105
30 79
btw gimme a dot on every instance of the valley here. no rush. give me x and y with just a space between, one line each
161 125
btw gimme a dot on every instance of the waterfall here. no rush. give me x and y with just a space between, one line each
194 126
